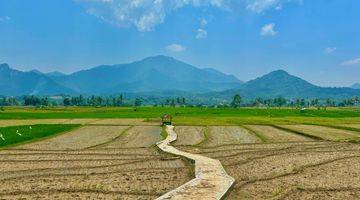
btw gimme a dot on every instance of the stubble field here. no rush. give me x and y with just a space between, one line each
93 162
112 158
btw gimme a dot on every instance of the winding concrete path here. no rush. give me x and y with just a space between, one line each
211 180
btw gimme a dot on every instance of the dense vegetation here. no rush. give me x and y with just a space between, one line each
121 101
17 134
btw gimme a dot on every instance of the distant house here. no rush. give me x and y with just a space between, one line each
166 119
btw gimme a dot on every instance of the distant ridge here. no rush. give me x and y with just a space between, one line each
280 83
356 86
155 73
14 83
163 76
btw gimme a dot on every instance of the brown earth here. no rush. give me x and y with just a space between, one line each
81 138
63 167
323 132
189 135
351 125
272 134
125 121
121 122
218 135
289 170
123 169
148 135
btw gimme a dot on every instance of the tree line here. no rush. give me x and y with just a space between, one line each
237 101
120 100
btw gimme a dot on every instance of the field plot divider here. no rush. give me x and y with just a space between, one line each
208 172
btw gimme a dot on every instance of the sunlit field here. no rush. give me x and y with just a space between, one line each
194 115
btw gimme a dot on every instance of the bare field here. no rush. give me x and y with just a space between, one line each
20 122
296 170
189 135
122 164
63 167
325 133
273 134
137 136
351 125
292 167
219 135
81 138
124 121
94 121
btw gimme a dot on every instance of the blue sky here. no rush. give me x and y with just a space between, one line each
318 40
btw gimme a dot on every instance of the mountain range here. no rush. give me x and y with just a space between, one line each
280 83
15 83
356 86
162 75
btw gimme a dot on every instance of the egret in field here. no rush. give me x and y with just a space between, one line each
17 132
2 137
30 127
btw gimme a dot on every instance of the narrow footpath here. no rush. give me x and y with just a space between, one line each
211 180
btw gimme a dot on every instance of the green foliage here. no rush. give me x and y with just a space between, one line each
138 102
17 134
236 102
164 133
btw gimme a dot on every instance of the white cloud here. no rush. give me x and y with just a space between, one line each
329 50
201 33
175 48
268 30
203 22
145 15
260 6
352 62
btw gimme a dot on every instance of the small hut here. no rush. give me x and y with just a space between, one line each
166 119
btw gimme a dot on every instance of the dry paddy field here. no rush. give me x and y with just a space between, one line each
17 122
108 161
92 162
288 166
322 132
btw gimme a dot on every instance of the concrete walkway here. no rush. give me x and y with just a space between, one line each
211 180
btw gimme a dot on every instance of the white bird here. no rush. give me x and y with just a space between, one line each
2 137
30 127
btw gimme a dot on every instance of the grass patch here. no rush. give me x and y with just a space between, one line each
164 133
13 135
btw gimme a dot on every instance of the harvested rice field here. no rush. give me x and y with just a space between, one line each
124 121
121 162
189 135
325 133
64 167
304 169
15 122
84 137
220 135
357 126
148 135
272 134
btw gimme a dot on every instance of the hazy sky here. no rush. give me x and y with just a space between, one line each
318 40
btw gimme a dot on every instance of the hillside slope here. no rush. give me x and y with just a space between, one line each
15 83
150 74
